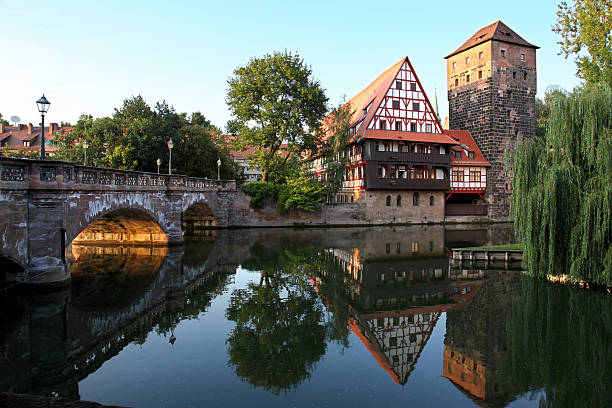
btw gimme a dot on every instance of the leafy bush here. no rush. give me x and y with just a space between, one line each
259 190
300 192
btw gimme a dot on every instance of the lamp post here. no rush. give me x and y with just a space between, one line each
218 169
85 146
158 164
170 146
43 107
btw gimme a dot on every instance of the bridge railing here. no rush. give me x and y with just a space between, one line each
53 174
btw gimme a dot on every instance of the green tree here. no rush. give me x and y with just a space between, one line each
562 194
585 28
275 101
3 121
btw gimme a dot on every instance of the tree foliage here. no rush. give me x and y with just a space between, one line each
275 101
136 136
3 121
586 31
562 189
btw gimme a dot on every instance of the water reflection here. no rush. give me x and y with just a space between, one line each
311 292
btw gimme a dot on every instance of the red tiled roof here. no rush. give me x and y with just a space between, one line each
410 136
464 137
497 31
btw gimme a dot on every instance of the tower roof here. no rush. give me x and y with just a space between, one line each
497 31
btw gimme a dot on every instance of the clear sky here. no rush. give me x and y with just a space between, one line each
87 56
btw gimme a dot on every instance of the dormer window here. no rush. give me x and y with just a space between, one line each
470 155
398 84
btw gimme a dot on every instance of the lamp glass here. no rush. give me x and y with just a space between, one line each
43 104
170 144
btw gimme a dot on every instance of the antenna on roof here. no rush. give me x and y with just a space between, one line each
15 120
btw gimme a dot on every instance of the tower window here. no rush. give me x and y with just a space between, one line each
503 53
398 84
415 199
514 75
413 86
456 82
480 54
398 125
388 205
480 74
382 124
413 127
431 201
522 57
416 106
467 78
395 104
399 202
525 76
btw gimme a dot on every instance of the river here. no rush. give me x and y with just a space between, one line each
312 317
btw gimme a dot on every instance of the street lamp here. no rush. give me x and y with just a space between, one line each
158 164
170 146
43 107
85 146
218 169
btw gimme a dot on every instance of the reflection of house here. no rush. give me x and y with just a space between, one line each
27 137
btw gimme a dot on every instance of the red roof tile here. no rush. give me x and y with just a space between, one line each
464 139
497 31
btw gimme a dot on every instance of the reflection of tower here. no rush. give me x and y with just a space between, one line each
475 342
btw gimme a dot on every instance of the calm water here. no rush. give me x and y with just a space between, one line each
341 317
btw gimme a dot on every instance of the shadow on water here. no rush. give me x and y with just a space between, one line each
506 337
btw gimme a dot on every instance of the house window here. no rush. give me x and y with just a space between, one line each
415 200
454 65
467 78
399 200
413 86
514 75
480 54
431 202
522 57
393 342
398 125
428 128
395 104
480 74
382 124
470 155
416 106
457 175
503 53
382 171
456 82
457 154
467 60
475 176
388 205
26 143
398 84
401 172
525 76
413 127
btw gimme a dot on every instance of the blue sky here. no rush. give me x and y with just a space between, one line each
87 57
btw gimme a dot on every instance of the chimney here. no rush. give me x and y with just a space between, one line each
29 128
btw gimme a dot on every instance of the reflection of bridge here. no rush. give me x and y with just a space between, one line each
45 205
54 340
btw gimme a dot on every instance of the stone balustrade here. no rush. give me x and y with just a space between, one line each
60 175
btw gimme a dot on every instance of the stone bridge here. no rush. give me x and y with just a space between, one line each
46 205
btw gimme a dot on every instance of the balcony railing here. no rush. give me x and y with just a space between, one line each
466 209
408 184
408 157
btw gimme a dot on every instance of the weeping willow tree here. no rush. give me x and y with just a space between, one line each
562 189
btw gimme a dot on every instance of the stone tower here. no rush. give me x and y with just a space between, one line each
491 82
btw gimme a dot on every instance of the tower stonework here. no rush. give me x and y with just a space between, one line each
491 83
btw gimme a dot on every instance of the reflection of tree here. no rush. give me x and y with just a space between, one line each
281 326
559 341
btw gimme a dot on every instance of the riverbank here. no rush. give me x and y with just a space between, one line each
10 400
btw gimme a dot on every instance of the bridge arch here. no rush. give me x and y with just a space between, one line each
127 225
198 217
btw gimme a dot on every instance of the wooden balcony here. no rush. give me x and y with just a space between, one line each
407 184
416 158
465 209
